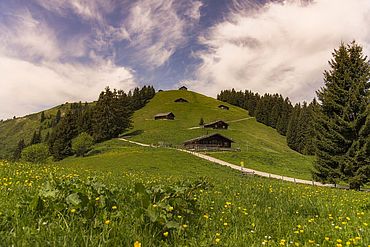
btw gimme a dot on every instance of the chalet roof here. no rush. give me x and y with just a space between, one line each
181 99
223 106
214 122
207 136
183 87
164 114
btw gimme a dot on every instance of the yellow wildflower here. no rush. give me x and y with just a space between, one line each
165 234
137 244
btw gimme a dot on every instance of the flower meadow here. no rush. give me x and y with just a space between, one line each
51 205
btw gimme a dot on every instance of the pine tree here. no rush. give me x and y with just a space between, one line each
111 116
42 117
36 138
292 132
61 137
201 121
340 131
57 118
18 151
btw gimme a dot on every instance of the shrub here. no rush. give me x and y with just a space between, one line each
82 144
37 153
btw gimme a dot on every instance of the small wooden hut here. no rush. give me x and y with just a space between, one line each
212 141
181 100
183 88
165 116
219 124
223 107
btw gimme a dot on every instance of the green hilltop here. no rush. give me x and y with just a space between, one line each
261 147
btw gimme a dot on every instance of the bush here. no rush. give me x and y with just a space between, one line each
82 144
37 153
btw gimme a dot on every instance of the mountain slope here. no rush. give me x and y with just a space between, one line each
261 147
12 130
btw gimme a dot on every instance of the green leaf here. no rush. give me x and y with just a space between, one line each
73 199
172 225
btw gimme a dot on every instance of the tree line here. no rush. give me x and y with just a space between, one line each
102 120
294 122
335 128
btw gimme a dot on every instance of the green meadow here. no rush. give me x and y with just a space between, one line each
125 195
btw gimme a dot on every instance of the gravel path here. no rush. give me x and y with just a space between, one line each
247 170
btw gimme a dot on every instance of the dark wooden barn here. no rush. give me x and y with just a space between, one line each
181 100
212 141
217 125
166 115
223 107
183 88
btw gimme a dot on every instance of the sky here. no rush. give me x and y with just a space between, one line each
56 51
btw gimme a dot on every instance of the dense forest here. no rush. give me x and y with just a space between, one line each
294 122
102 120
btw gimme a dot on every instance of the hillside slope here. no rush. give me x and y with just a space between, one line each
262 148
12 130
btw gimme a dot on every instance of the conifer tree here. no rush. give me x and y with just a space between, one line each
61 137
292 132
340 131
36 137
42 117
111 117
18 151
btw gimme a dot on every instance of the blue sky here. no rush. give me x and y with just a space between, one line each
53 51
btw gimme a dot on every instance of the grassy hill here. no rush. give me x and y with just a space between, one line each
261 147
12 130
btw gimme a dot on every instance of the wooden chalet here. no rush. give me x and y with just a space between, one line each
181 100
212 141
219 124
223 107
183 88
166 115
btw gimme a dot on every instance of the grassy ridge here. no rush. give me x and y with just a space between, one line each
12 130
234 211
262 148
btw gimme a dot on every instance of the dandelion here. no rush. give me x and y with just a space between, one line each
311 241
348 243
225 223
107 222
73 210
97 199
217 240
114 207
339 241
327 238
217 234
137 244
185 226
165 234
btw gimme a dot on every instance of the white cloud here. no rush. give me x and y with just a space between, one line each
37 69
281 47
157 28
27 87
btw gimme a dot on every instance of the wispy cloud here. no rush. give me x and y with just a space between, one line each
158 27
40 70
282 47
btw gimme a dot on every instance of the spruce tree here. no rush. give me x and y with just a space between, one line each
42 117
292 132
61 137
341 119
36 138
18 151
111 116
